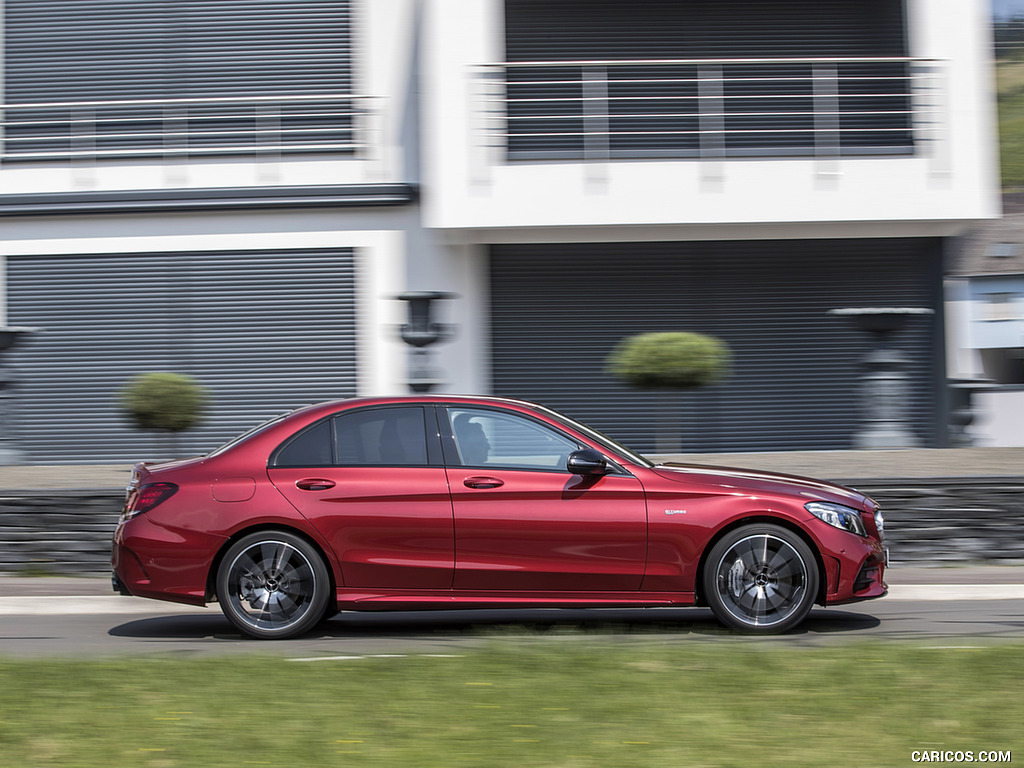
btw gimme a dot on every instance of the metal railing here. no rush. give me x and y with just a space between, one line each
708 108
137 128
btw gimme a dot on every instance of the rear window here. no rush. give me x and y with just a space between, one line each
375 437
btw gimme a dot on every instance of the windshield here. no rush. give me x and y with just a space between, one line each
602 440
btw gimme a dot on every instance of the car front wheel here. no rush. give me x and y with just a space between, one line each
273 585
761 579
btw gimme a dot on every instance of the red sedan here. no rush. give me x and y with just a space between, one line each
441 502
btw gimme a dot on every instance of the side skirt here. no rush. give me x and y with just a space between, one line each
397 600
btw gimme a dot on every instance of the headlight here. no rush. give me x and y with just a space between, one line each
838 516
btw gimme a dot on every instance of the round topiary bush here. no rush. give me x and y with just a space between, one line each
673 360
669 361
163 402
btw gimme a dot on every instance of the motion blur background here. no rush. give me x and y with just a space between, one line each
239 192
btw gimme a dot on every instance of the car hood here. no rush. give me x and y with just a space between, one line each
731 479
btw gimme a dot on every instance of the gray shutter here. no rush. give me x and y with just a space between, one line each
653 109
73 51
570 30
69 50
558 310
264 331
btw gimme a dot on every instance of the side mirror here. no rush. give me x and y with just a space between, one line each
586 461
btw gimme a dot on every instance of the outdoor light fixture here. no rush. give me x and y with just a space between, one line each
421 332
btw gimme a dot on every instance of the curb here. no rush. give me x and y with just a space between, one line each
56 596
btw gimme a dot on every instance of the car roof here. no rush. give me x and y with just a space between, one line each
270 430
354 402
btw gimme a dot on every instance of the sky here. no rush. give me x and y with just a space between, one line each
1004 8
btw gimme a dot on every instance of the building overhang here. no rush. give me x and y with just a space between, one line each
794 230
220 199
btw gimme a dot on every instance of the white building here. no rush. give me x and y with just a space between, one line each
986 319
238 191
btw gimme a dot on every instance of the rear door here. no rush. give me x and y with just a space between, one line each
372 482
523 522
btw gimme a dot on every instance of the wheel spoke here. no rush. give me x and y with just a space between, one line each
783 556
266 552
257 601
299 572
775 599
287 606
790 570
745 600
263 611
751 601
750 555
281 557
249 567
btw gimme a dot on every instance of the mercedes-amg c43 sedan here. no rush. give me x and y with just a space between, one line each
461 502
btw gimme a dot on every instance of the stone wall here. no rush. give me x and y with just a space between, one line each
58 531
927 521
946 520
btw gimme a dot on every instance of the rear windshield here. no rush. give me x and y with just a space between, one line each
249 433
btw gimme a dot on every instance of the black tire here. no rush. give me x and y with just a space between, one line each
761 579
273 585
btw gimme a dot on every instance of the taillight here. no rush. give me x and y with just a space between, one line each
147 497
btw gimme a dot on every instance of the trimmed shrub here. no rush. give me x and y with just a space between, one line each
673 360
163 402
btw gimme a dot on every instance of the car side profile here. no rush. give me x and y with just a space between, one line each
441 502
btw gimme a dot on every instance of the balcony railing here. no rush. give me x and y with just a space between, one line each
709 108
177 128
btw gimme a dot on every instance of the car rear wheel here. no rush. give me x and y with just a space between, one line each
273 585
761 579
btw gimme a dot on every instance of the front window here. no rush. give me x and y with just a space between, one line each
488 438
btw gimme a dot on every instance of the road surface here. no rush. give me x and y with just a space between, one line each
82 618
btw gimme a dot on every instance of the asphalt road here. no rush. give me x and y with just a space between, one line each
78 618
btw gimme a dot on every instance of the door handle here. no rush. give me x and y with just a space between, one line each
482 482
314 484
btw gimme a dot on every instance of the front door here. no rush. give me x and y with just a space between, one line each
524 523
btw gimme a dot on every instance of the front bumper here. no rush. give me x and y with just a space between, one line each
868 581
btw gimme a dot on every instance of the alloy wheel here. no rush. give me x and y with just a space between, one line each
272 585
762 580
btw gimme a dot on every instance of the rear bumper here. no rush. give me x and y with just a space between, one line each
119 586
153 561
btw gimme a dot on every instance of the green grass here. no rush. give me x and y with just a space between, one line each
1010 90
564 702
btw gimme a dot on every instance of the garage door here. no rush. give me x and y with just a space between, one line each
558 310
263 331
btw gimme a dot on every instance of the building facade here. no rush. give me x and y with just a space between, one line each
985 306
240 191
